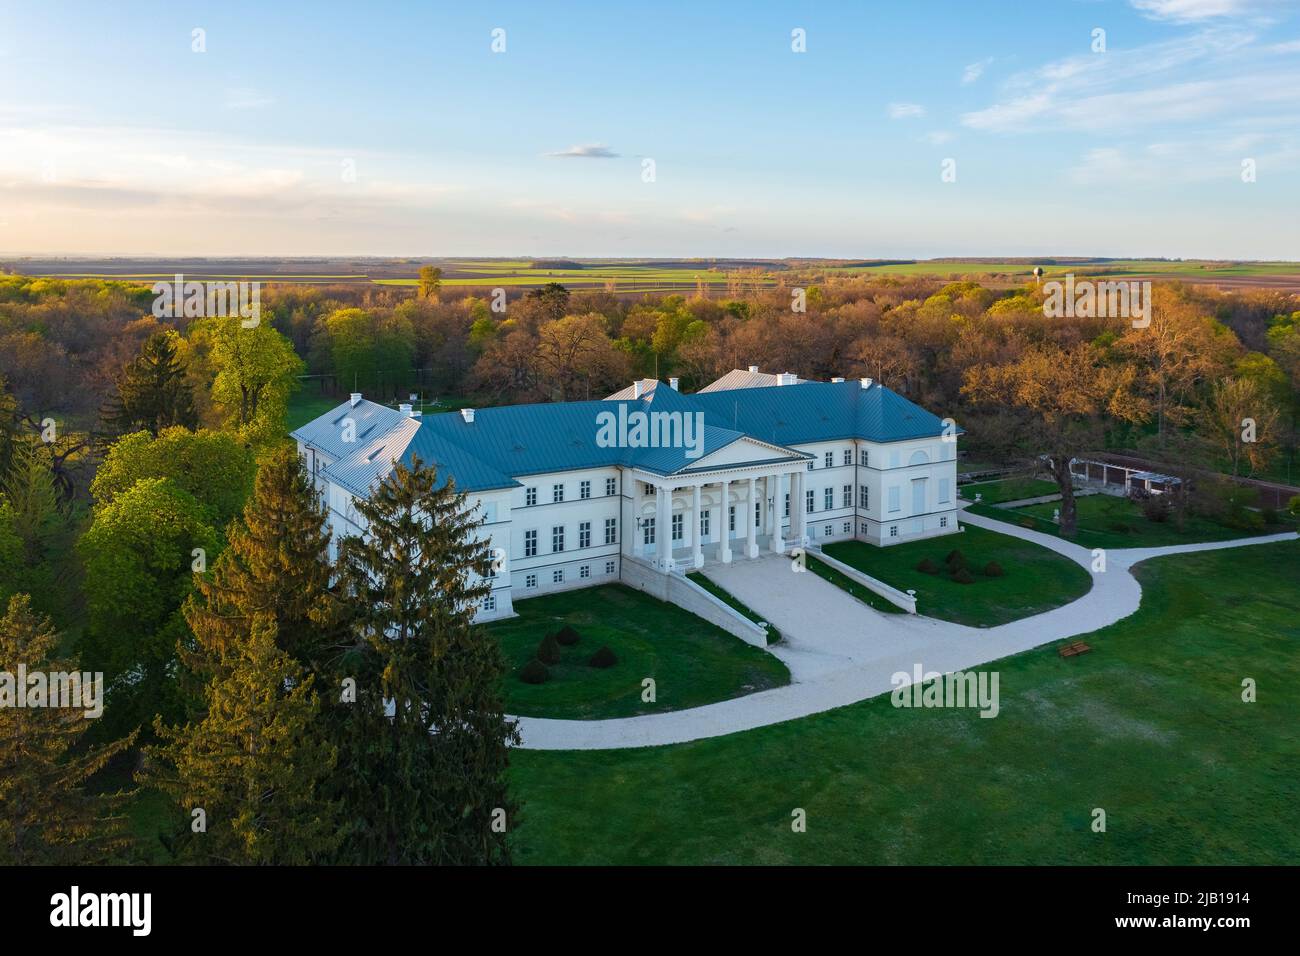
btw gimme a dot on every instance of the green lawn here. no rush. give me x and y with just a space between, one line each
1150 727
1106 521
1008 489
691 661
305 405
1036 579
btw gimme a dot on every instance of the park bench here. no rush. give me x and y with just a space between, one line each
1070 650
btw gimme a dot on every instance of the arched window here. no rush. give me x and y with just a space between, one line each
919 457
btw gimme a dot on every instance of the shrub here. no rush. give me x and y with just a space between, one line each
548 652
1027 523
604 657
926 566
1293 506
1156 508
1270 516
993 570
534 672
954 557
567 636
963 576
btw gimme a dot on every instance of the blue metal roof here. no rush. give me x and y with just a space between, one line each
516 440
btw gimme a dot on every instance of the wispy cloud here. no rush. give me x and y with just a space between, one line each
247 98
905 110
1189 11
938 137
975 70
588 151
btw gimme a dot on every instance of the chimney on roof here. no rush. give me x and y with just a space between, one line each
354 398
787 378
468 415
673 383
837 379
636 388
405 410
754 369
866 382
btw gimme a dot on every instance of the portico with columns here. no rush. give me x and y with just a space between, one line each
717 514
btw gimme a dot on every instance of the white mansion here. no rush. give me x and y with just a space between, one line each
651 481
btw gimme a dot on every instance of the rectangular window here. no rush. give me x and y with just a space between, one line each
864 497
530 544
846 496
611 530
787 505
530 581
758 514
943 521
557 576
490 602
862 528
863 458
489 511
893 531
584 534
895 499
944 491
830 459
611 486
584 489
557 492
677 527
649 490
530 496
584 571
704 524
812 463
848 456
731 519
848 527
810 501
828 499
557 538
648 531
894 459
609 567
827 531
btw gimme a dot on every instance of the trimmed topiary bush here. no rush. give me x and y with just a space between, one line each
534 672
548 652
955 560
926 566
993 570
963 576
603 658
567 636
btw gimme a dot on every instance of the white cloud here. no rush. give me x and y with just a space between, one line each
1187 11
588 151
938 137
247 98
975 70
905 110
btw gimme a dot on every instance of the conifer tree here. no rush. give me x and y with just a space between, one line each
152 391
46 815
254 764
423 749
276 563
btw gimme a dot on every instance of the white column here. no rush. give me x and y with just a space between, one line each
664 527
724 552
775 536
751 532
799 526
697 552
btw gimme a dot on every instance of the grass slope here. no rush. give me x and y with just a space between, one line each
1036 579
1150 727
691 661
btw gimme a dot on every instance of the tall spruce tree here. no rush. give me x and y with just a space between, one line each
255 764
152 392
424 747
46 814
276 563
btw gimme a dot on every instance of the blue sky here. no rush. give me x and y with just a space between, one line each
394 129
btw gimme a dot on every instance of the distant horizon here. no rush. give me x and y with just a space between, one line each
477 257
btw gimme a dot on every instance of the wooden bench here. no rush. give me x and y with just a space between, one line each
1070 650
